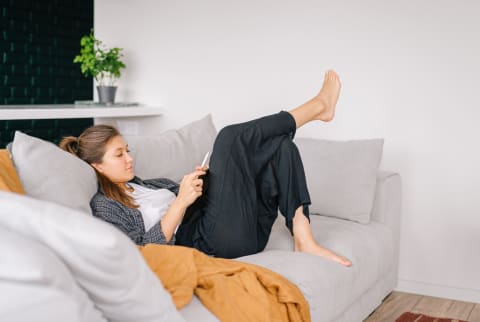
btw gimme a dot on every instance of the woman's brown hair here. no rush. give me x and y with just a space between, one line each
90 146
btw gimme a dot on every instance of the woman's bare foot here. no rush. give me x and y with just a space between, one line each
328 96
305 242
316 249
322 106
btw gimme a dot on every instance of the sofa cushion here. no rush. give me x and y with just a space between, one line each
103 260
341 176
195 311
49 173
173 153
9 180
31 276
369 247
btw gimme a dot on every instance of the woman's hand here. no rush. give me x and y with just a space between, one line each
191 187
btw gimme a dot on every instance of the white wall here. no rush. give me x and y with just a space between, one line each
410 72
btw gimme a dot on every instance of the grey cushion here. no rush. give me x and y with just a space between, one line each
101 259
49 173
31 275
329 286
341 176
195 311
173 153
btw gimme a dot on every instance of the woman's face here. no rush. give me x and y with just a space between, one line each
117 164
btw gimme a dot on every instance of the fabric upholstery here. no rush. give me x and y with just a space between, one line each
341 176
102 260
31 276
9 180
49 173
195 311
330 285
174 153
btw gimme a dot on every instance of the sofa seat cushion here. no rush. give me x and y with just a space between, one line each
328 286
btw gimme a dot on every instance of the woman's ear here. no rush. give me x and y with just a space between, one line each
97 166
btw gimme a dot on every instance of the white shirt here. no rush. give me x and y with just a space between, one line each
153 203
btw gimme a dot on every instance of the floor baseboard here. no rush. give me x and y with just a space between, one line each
443 291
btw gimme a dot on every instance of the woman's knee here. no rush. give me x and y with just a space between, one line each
288 146
226 134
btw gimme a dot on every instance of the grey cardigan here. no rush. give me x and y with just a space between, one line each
130 220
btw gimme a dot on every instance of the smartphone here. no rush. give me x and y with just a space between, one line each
204 162
204 176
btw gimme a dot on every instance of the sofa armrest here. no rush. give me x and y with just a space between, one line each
387 207
387 203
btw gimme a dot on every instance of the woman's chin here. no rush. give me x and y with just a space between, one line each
131 176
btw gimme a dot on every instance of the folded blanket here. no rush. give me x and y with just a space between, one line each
231 290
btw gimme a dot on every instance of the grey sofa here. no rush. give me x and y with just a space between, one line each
334 292
87 270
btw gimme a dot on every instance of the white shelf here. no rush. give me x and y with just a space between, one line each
72 111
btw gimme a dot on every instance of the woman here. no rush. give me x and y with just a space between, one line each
255 170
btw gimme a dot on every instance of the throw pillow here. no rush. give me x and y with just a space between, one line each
9 180
102 260
49 173
341 176
173 153
35 283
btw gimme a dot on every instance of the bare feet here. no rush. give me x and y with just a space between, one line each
305 242
316 249
328 96
322 106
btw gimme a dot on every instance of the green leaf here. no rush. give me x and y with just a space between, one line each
97 60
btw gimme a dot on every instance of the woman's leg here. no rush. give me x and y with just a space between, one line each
282 186
232 225
322 106
306 243
229 225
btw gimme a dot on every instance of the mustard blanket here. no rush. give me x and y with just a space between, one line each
231 290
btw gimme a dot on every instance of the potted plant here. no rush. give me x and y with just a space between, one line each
102 63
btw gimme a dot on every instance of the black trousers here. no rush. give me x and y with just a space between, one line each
255 170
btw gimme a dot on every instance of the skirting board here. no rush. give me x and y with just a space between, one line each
435 290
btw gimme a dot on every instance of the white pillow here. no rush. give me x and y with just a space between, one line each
31 277
104 261
174 153
49 173
341 176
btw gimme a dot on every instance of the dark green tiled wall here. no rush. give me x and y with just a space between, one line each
38 42
49 130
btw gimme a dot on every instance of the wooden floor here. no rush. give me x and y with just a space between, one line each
398 302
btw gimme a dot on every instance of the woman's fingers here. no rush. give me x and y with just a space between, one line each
191 187
198 173
192 184
197 182
204 168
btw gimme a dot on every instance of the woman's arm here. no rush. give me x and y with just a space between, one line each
190 190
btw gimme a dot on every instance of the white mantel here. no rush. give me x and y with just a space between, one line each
71 111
